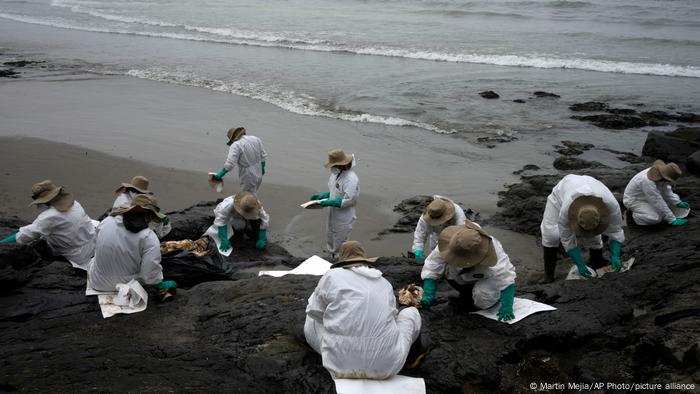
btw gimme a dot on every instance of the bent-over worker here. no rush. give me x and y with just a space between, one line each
438 215
650 198
248 153
240 213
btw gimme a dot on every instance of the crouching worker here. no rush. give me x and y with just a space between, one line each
241 213
127 249
126 193
438 215
650 198
580 209
62 223
353 323
475 264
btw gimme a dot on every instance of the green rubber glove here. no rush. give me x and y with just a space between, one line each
683 204
166 220
505 311
429 288
332 203
419 254
223 236
11 238
220 174
615 248
575 255
262 239
166 284
263 167
679 222
319 196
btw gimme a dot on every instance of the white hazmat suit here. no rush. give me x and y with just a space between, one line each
121 256
555 222
248 154
649 201
425 231
353 323
226 215
124 200
346 186
70 234
488 281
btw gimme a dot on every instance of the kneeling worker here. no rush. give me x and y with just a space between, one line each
127 249
125 194
62 223
242 212
650 198
475 264
353 323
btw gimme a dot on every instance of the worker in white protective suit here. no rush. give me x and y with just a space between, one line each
240 214
438 215
580 209
475 264
353 323
125 194
344 188
62 223
650 198
248 153
128 249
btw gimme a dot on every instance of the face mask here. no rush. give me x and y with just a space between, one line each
335 171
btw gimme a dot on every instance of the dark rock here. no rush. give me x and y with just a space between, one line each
9 74
675 146
661 115
519 101
589 106
621 111
572 148
540 93
496 139
526 167
692 164
687 117
567 163
489 94
20 63
191 223
617 122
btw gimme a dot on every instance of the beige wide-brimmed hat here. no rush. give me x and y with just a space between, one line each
439 211
353 254
234 133
142 203
588 216
138 183
466 245
337 157
247 205
47 192
660 171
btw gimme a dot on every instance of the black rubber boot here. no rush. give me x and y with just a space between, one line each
550 263
596 258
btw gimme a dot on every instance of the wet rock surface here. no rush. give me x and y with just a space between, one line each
540 93
628 118
489 94
673 146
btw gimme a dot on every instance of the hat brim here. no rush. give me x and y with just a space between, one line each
236 136
48 197
449 214
603 213
654 174
356 261
63 202
344 162
157 216
125 186
485 255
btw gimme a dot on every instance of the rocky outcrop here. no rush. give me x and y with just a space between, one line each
693 163
589 106
540 93
489 94
675 146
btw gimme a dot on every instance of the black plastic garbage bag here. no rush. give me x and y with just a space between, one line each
188 269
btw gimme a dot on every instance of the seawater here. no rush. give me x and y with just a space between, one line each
415 63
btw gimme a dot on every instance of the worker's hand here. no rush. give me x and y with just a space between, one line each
418 255
429 289
166 284
575 254
615 248
320 196
683 204
679 222
332 203
505 311
166 220
11 238
225 245
262 240
219 175
263 167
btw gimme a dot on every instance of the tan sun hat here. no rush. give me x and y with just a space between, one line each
661 171
337 157
247 205
234 133
588 216
47 192
439 211
138 183
142 203
352 253
466 245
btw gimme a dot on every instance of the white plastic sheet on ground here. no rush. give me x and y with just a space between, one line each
126 298
574 275
522 308
314 265
396 384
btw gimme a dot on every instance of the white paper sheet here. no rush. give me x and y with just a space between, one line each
314 265
522 308
397 384
126 298
313 204
574 275
213 233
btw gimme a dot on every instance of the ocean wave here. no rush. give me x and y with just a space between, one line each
291 101
532 61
